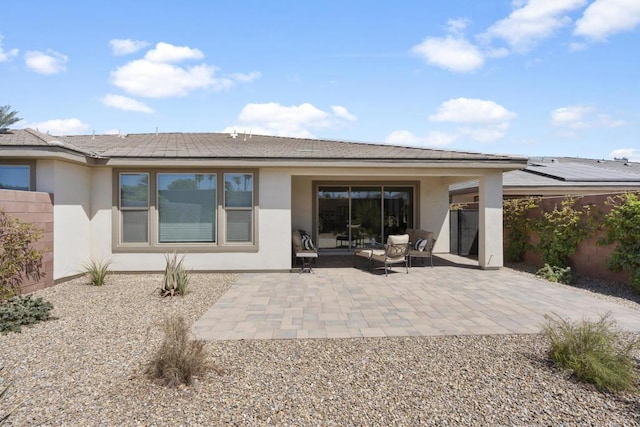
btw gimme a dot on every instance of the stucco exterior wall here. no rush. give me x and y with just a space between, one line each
34 208
434 212
71 186
83 213
101 201
490 252
433 199
302 203
274 231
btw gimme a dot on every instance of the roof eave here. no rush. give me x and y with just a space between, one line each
45 153
498 164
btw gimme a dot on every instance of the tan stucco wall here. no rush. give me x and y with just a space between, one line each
434 211
83 214
490 250
71 186
274 231
101 201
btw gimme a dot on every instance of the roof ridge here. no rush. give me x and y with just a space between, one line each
37 134
61 142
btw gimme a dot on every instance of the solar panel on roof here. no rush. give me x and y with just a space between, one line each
574 172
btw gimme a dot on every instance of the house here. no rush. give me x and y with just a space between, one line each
231 201
560 176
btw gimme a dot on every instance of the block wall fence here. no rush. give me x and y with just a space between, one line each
590 259
35 208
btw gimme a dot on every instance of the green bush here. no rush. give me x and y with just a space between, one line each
518 225
176 278
594 352
622 226
561 230
556 274
18 260
23 310
178 358
96 271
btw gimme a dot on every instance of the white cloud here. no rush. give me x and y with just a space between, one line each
342 112
457 26
6 55
532 21
631 154
49 62
246 78
486 133
126 46
61 126
296 120
478 119
124 103
580 116
577 46
431 139
468 110
157 80
157 75
605 17
165 52
451 52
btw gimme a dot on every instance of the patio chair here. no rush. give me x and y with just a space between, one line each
420 245
305 254
395 252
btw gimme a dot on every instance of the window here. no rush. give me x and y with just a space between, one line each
186 207
134 206
15 177
163 210
238 205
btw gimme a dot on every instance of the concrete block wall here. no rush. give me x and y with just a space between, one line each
35 208
590 259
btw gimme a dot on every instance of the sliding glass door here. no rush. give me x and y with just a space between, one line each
350 217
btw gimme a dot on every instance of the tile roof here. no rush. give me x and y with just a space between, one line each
223 146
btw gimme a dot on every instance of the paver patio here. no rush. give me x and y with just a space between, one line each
453 298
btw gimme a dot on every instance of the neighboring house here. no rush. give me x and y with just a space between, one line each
560 176
231 201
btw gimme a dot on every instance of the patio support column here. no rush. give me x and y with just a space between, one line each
490 227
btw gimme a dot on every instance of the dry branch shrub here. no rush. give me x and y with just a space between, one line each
178 359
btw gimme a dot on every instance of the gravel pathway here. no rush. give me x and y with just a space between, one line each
85 369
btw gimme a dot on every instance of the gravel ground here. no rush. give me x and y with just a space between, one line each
84 369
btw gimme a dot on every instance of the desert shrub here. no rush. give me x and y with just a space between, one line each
178 358
594 352
96 271
176 277
23 310
556 274
562 229
622 225
18 260
518 225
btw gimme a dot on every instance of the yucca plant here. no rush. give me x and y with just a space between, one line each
97 271
176 277
594 352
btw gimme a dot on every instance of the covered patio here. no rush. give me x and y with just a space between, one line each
456 297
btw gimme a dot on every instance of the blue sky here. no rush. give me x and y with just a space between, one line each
536 78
